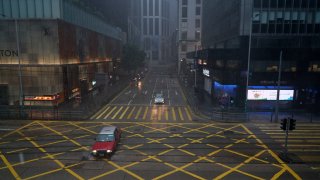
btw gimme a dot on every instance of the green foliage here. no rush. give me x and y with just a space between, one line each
132 58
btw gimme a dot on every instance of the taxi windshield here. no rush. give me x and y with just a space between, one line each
105 137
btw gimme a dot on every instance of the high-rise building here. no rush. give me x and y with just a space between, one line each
53 51
244 42
189 30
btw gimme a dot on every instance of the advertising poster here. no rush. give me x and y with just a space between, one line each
266 94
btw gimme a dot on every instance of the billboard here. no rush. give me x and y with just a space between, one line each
270 94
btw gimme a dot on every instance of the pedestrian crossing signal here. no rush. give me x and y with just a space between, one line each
292 124
284 123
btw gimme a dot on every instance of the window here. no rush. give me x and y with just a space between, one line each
184 47
198 1
198 11
265 3
150 7
184 12
156 10
184 2
197 35
288 3
197 23
145 26
151 26
184 35
257 3
156 28
145 7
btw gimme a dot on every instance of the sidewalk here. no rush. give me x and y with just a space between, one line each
205 109
92 102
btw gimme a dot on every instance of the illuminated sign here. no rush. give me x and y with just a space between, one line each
268 94
8 53
206 72
41 98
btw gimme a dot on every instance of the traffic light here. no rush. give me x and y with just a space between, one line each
292 124
284 123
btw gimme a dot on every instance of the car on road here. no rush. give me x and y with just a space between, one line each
106 141
159 99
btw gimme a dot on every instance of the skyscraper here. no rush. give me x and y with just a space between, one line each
244 41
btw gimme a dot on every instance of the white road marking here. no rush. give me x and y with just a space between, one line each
128 92
130 102
134 95
176 93
6 129
146 92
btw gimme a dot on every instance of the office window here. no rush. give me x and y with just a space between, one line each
150 7
183 47
156 6
184 2
281 3
198 11
198 1
145 26
184 35
156 28
273 4
288 3
257 3
265 3
197 23
151 26
145 8
184 12
197 35
296 3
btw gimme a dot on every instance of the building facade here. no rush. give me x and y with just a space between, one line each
189 36
53 51
244 42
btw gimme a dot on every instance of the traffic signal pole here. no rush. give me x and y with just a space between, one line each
286 139
287 124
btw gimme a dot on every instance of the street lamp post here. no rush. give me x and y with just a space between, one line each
21 103
278 88
249 59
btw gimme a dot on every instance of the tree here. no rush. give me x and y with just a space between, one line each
132 58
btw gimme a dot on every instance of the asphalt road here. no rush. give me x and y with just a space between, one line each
158 142
61 150
136 103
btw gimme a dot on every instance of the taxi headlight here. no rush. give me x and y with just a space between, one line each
109 151
94 152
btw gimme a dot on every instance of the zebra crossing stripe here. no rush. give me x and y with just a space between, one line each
139 111
103 112
124 112
167 115
180 114
97 113
114 108
116 114
188 114
159 113
145 113
174 114
130 114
